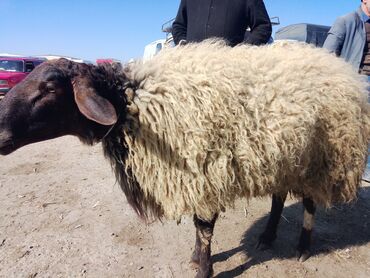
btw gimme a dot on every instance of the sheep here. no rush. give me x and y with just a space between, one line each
203 125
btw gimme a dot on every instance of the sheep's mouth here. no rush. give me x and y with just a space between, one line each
7 147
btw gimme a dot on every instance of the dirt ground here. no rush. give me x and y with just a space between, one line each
62 215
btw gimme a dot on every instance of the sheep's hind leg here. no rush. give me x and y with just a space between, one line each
202 253
304 245
269 235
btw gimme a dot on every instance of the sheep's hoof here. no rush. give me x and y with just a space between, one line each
204 274
303 255
194 261
194 264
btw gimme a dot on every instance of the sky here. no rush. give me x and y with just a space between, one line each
120 29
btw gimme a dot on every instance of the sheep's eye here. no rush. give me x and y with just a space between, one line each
50 87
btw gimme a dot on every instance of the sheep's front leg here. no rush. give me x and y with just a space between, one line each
196 254
304 245
202 253
269 235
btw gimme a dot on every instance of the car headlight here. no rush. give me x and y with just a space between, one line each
3 82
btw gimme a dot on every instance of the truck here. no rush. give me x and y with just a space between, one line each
100 61
14 69
156 46
306 32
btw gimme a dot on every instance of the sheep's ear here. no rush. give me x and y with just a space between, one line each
91 105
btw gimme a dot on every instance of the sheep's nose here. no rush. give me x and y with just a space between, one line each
6 143
4 135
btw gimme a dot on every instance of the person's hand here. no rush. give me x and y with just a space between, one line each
182 42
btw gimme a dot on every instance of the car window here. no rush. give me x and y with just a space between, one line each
158 48
29 66
11 65
36 63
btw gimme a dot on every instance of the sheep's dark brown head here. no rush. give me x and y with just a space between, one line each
61 98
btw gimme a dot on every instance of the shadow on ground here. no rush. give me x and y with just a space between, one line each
340 227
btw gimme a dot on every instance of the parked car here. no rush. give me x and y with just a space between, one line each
56 57
107 61
15 69
310 33
155 47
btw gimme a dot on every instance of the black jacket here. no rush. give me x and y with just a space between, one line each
197 20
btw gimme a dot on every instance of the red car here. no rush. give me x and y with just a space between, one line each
107 60
15 69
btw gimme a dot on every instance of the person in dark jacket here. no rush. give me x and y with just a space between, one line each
198 20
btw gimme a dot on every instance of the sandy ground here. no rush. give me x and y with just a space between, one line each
62 215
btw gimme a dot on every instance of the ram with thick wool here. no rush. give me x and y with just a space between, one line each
218 123
203 125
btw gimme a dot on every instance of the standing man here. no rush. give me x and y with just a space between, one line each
198 20
349 38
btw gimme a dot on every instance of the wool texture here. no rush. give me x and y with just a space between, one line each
216 123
